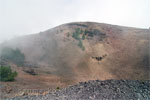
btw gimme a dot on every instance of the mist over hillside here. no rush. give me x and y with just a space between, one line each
76 52
81 57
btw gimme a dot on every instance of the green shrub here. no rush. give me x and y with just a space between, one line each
86 32
6 74
58 88
15 56
78 31
91 33
76 34
80 44
83 36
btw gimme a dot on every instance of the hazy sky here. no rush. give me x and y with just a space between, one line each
21 17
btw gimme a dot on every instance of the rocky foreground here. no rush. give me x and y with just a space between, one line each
99 90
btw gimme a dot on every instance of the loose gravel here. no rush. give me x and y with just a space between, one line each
99 90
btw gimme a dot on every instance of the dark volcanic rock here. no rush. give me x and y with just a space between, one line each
99 90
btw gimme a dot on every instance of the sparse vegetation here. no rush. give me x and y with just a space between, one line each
85 32
80 44
90 33
83 37
93 32
76 35
30 71
58 88
13 55
6 74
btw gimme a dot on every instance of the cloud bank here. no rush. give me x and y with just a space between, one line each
21 17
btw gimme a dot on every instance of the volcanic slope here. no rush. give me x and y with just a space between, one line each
84 51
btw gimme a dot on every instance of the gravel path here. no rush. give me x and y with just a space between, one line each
99 90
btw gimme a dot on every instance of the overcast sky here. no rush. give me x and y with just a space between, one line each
21 17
